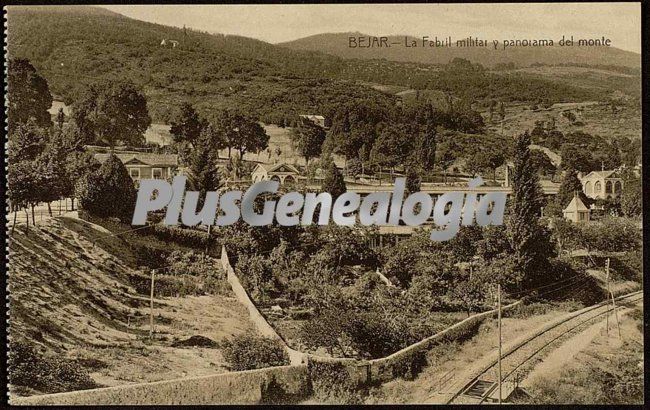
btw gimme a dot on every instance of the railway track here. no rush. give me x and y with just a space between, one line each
482 385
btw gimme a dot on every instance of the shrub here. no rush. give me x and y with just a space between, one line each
410 364
107 192
332 384
28 367
248 351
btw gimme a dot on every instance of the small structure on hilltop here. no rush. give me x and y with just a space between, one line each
281 172
169 43
318 120
602 184
146 165
576 211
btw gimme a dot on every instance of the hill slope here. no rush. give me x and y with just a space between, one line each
73 46
337 44
74 298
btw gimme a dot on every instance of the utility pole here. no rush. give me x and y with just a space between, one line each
499 325
607 314
618 325
153 272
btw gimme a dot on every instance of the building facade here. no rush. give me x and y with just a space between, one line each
602 185
281 172
146 165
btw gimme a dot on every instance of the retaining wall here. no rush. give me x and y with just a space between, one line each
259 321
275 384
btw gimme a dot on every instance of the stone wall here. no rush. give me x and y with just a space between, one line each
273 384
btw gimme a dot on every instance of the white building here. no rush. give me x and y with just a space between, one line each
602 184
281 172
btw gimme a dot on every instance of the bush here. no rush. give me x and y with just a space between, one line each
107 192
332 384
28 367
248 351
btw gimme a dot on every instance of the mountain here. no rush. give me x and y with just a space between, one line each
338 44
72 46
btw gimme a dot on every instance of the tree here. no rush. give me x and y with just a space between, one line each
307 139
575 157
60 118
241 133
542 162
632 197
611 234
392 147
354 167
529 241
28 95
26 143
446 154
413 181
187 124
112 112
566 235
108 191
569 187
425 147
333 181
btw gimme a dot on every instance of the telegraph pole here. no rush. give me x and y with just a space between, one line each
607 314
153 272
499 325
611 294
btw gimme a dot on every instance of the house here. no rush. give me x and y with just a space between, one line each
172 43
602 184
146 165
281 172
576 211
318 120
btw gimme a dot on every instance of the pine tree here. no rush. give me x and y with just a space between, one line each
333 181
529 240
570 185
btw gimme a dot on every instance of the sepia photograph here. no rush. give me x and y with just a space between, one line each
315 204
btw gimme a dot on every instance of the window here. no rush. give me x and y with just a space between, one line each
157 173
135 173
597 187
617 187
588 188
608 187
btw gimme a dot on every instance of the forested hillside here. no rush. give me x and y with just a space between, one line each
72 46
337 44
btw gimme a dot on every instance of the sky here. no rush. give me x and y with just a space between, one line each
620 22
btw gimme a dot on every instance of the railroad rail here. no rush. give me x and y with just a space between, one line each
481 388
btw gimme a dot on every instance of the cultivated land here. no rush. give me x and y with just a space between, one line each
75 300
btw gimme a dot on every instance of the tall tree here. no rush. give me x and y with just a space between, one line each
529 241
308 139
112 112
333 181
187 124
631 195
570 186
28 95
241 133
425 146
